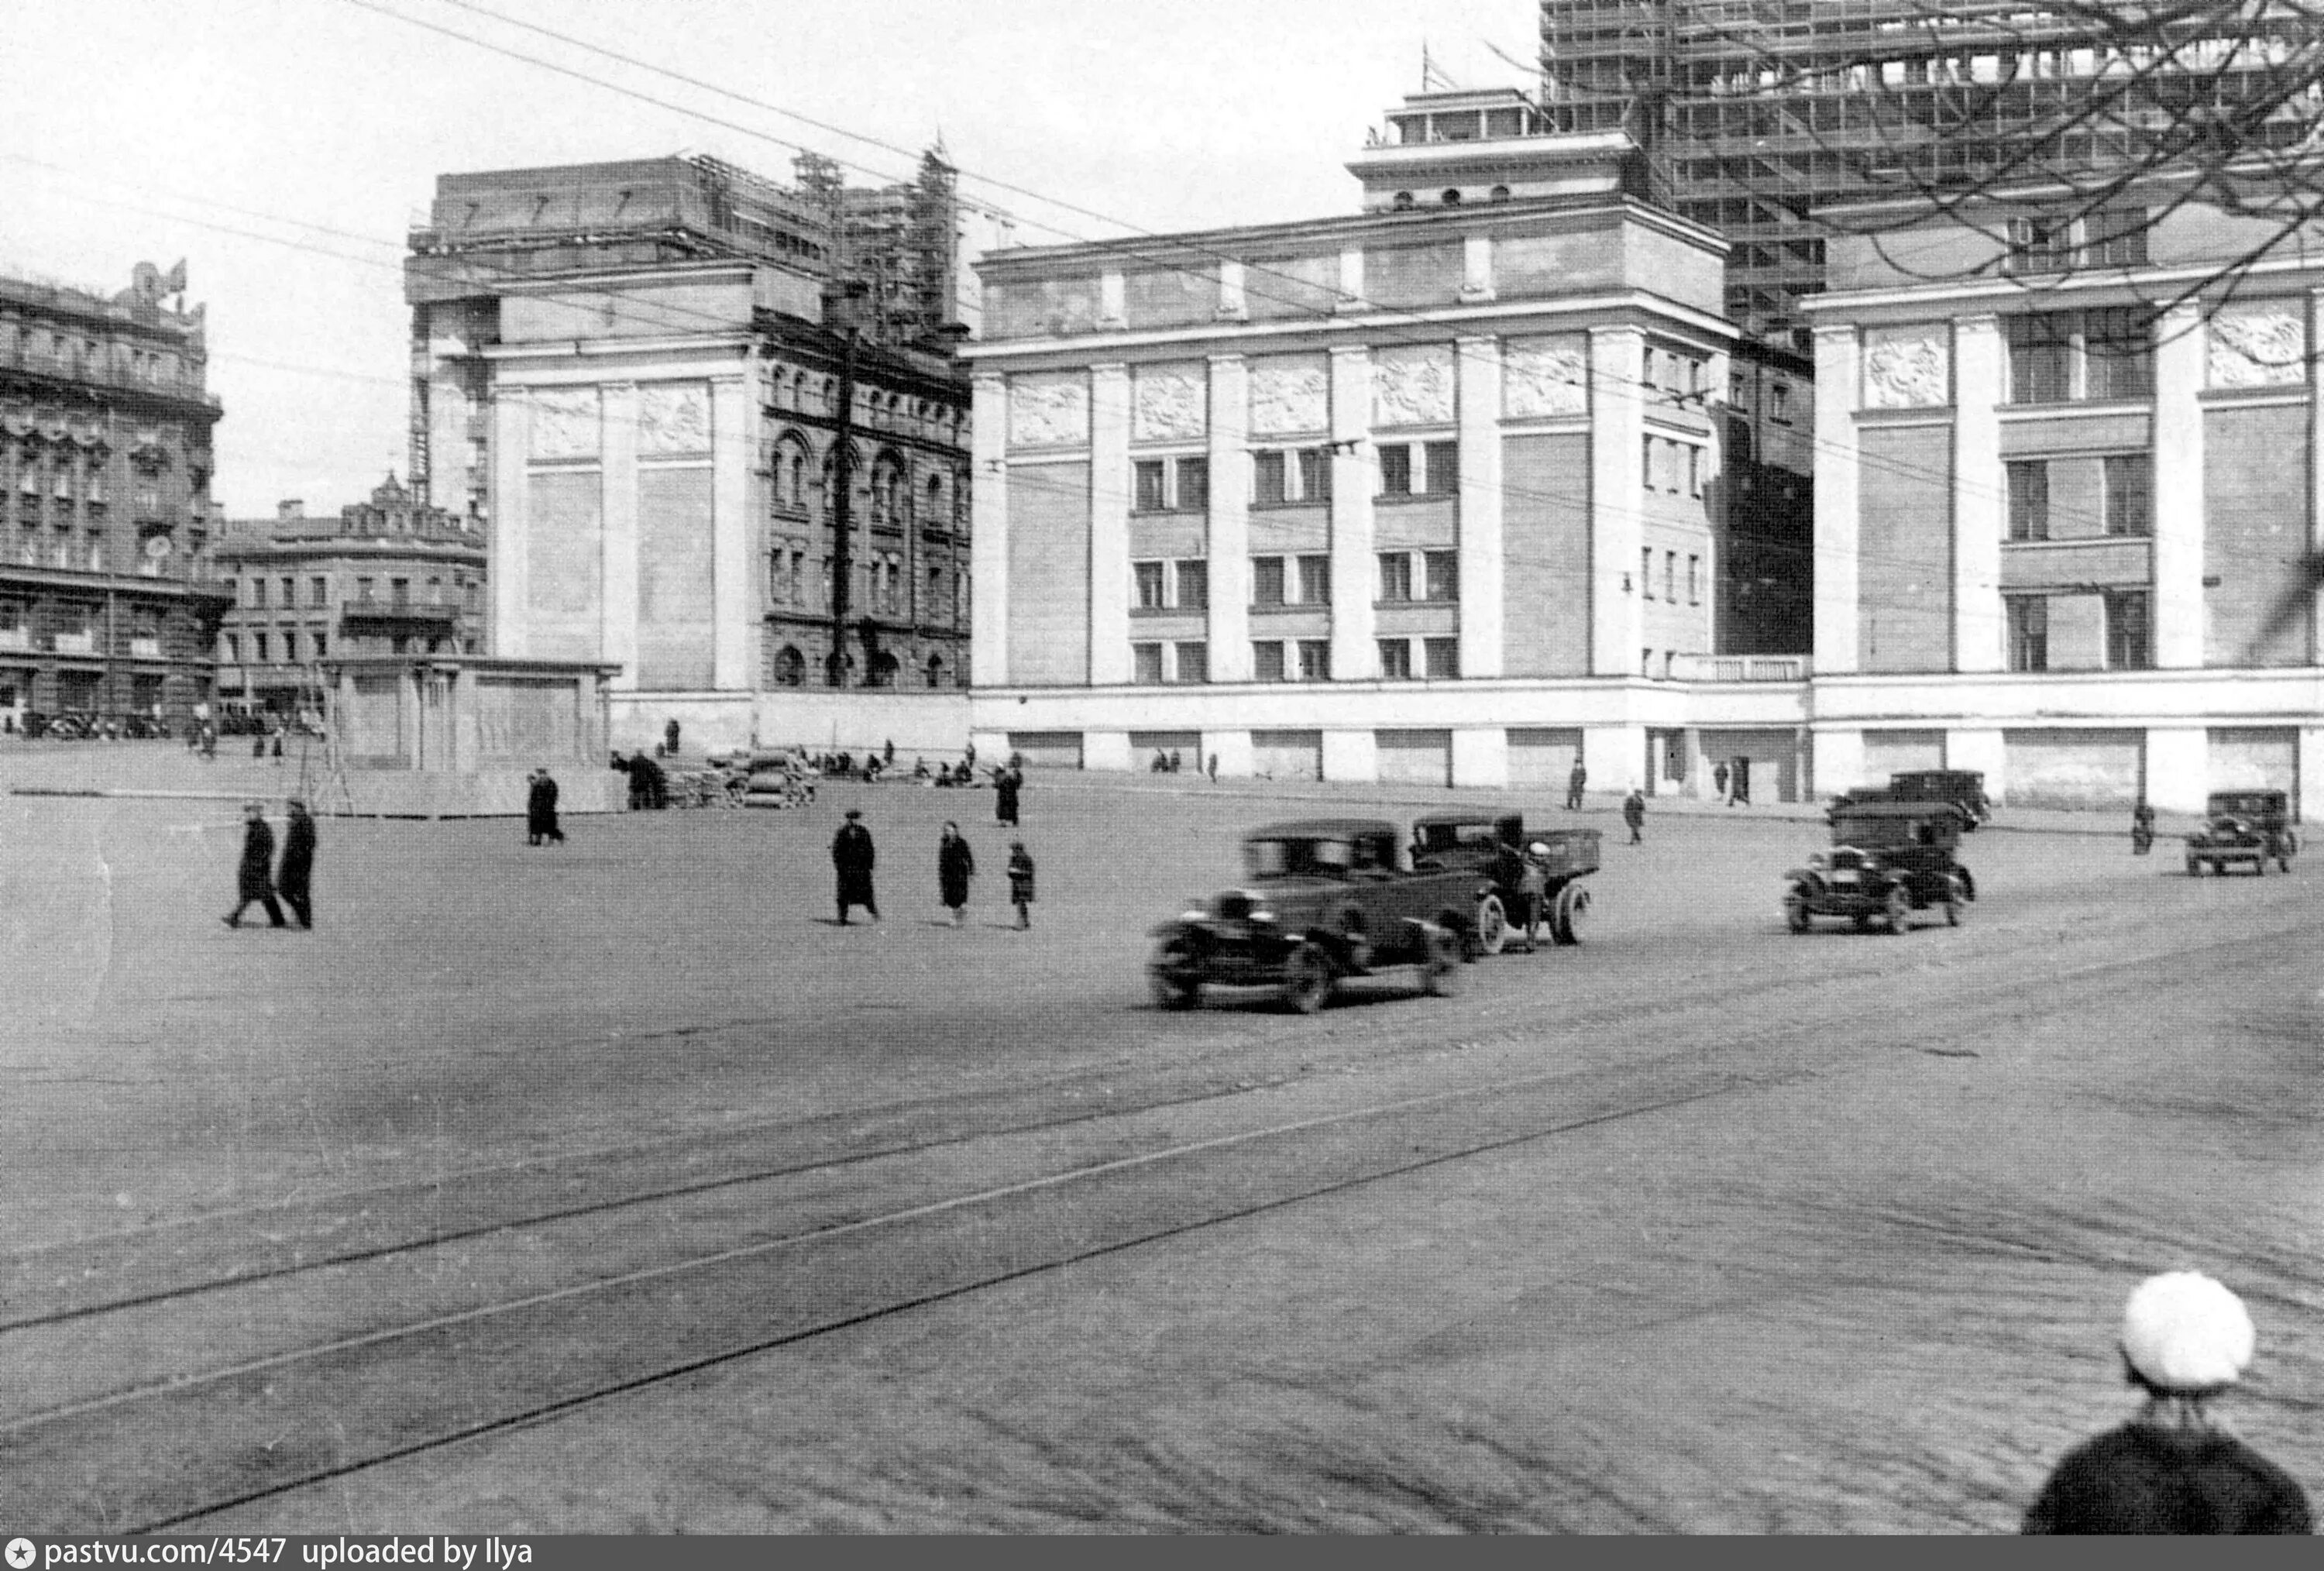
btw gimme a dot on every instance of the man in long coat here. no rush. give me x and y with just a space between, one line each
851 858
1007 781
1573 785
955 866
295 880
255 877
540 811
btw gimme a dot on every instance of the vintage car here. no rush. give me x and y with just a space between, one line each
1323 900
1492 844
2254 826
1888 860
1963 787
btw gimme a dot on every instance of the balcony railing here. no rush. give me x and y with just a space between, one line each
1741 668
389 611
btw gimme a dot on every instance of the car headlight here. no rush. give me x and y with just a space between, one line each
1265 916
1194 916
1819 860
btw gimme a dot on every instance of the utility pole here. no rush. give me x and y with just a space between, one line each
843 495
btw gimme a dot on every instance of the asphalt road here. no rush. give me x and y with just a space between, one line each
614 1187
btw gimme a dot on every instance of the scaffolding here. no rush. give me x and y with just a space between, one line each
1758 113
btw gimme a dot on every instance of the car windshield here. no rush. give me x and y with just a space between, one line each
1872 829
2246 807
1301 858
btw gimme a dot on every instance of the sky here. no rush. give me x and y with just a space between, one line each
283 148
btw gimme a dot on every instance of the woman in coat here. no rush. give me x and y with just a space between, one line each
955 866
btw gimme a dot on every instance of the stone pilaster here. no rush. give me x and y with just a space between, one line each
506 557
2179 619
1618 428
1477 364
1980 495
617 628
1109 558
1354 574
1230 522
988 538
734 576
1838 616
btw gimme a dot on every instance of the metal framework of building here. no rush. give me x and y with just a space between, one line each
1759 113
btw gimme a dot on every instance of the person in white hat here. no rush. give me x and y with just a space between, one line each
2172 1469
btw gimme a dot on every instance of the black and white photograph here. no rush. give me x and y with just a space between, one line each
1356 767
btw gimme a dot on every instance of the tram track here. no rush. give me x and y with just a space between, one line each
177 1450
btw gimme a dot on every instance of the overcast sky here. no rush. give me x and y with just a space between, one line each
282 147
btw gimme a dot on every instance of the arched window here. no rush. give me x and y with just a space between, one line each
935 512
790 666
1452 197
1403 200
885 670
936 670
1500 193
795 462
835 668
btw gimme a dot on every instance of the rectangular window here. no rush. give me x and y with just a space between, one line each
232 648
1443 468
1316 474
322 646
2040 246
289 593
363 591
1194 663
1396 471
1646 446
1443 659
2119 345
290 647
1314 660
1694 470
1315 580
2041 357
2115 237
2130 494
2029 633
399 593
1270 485
1146 663
1694 580
2129 647
1647 571
1267 580
1395 576
258 594
1396 659
1267 661
258 648
1779 402
1150 475
1444 575
1150 585
319 592
1670 576
2029 500
1193 585
1194 485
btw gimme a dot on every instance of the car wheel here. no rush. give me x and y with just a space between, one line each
1795 910
1440 975
1570 915
1899 909
1307 985
1492 926
1171 989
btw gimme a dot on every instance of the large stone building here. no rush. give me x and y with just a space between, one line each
703 454
2064 537
387 576
107 601
1427 493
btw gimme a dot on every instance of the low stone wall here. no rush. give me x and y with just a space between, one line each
491 793
934 724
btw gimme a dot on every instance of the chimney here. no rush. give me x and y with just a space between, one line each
291 507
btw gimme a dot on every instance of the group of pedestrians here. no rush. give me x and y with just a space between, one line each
259 881
853 857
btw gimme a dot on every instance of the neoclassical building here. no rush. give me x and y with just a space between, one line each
2067 507
1425 493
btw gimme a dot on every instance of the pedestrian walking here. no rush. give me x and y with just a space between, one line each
955 866
669 738
1007 782
2141 828
540 824
255 880
295 880
851 856
1020 882
1532 882
1634 813
1214 769
1719 778
2172 1469
888 754
1573 785
278 746
258 743
209 743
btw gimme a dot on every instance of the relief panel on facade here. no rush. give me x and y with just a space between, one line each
1412 385
1170 404
2261 343
1907 368
565 422
1289 394
1048 411
1544 377
673 419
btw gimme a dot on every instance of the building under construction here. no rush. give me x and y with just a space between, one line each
1758 113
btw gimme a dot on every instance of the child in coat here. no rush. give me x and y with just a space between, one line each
1020 882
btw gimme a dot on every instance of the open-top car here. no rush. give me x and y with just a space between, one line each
1494 845
1321 900
2248 826
1888 860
